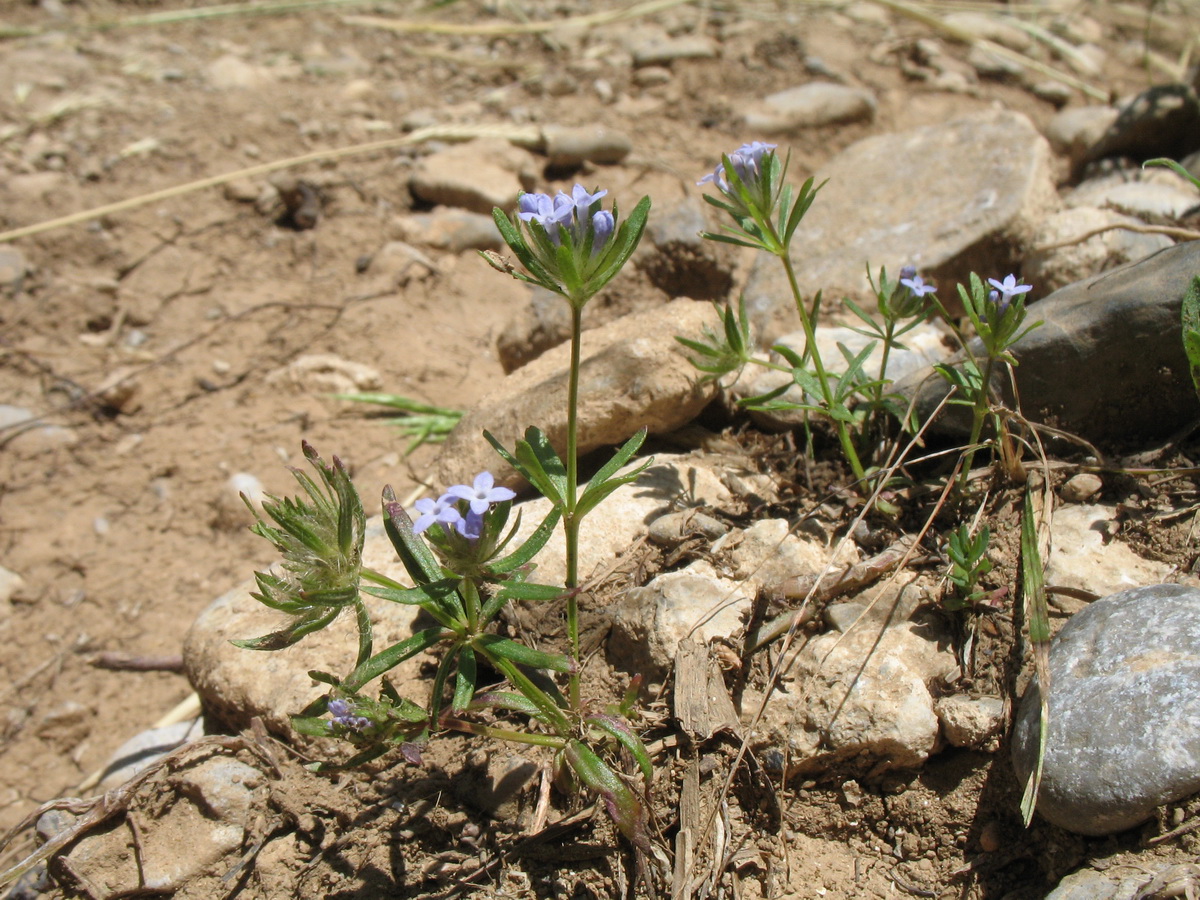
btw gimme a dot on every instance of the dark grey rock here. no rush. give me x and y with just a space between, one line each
1161 121
972 192
1107 363
1124 711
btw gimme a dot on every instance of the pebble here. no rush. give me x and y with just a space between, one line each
12 587
20 431
13 269
1124 711
453 230
477 175
809 106
572 146
145 748
970 722
1080 488
664 51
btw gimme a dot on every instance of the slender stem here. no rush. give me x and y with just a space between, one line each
978 414
810 338
505 734
570 522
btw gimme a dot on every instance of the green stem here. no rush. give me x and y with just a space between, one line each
570 522
505 734
978 414
810 338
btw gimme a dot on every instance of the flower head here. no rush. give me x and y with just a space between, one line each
746 161
443 511
481 494
343 716
571 212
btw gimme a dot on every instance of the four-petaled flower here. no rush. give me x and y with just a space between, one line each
443 511
747 163
481 494
916 284
1009 287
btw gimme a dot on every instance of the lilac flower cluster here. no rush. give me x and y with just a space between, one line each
344 716
570 212
747 163
446 511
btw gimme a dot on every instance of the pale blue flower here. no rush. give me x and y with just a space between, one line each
1009 287
747 163
908 271
481 494
917 285
603 225
442 511
470 527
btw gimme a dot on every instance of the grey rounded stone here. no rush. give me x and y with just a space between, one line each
1124 711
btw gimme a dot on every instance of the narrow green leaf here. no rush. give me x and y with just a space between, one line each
494 645
626 810
550 707
388 659
1038 614
438 598
464 684
624 734
620 458
506 700
535 542
594 496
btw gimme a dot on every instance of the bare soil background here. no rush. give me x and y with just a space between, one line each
124 525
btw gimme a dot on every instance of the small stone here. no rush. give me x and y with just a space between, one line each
659 51
145 748
231 73
242 190
809 106
13 268
478 175
1080 488
12 587
674 527
969 722
326 373
651 76
566 147
453 230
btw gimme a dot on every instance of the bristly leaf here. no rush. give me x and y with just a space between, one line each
1034 595
321 538
312 621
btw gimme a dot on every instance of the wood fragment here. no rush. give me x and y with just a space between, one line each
116 661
